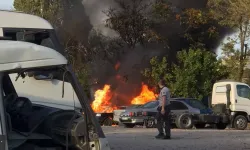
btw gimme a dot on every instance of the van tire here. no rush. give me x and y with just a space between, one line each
184 121
240 122
221 126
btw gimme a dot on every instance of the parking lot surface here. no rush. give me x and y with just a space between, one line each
121 138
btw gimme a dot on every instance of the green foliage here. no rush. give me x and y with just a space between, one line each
196 72
232 59
158 70
48 9
236 15
192 76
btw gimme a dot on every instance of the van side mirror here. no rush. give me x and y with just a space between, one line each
41 75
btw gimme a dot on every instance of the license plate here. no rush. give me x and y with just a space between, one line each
124 118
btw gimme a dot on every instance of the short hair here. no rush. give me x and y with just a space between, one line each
162 82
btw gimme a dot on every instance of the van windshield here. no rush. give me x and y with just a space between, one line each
46 90
41 37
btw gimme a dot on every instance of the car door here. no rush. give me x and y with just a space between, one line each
177 107
242 101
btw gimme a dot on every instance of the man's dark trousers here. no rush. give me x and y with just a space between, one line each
164 118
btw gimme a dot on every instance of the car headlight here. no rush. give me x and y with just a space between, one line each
98 115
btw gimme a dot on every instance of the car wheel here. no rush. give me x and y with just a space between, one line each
107 122
200 126
240 122
184 121
150 123
129 125
221 126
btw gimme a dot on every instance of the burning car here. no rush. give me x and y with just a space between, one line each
134 116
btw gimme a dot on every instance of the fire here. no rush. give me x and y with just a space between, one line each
102 100
117 65
103 104
145 96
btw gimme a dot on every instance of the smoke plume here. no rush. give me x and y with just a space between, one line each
126 81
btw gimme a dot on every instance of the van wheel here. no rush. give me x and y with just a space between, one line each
129 125
221 126
200 126
108 122
240 122
184 121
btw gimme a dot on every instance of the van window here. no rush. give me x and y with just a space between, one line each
243 91
221 89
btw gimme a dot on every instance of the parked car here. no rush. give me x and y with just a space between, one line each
132 116
181 109
121 109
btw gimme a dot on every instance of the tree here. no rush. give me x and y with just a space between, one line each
192 76
129 19
197 27
51 10
236 15
159 69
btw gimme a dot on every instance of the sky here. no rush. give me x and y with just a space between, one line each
6 4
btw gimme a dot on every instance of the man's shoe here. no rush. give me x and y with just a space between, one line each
166 137
160 136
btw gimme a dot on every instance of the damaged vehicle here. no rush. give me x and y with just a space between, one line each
42 105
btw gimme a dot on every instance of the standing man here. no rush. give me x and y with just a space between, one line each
163 114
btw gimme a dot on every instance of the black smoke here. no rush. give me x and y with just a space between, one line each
126 81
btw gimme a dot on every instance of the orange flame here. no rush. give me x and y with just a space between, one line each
145 96
102 100
117 65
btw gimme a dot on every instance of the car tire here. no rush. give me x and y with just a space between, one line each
108 122
129 125
240 122
200 126
150 123
184 121
221 126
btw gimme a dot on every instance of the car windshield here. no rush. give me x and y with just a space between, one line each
196 104
151 104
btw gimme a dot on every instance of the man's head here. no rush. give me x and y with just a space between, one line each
161 83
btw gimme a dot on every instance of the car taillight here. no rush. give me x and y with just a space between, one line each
144 113
131 114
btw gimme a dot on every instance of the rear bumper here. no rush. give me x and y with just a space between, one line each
132 120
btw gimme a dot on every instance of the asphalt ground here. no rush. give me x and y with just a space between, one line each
139 138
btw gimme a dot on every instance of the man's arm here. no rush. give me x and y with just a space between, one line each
164 94
163 102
